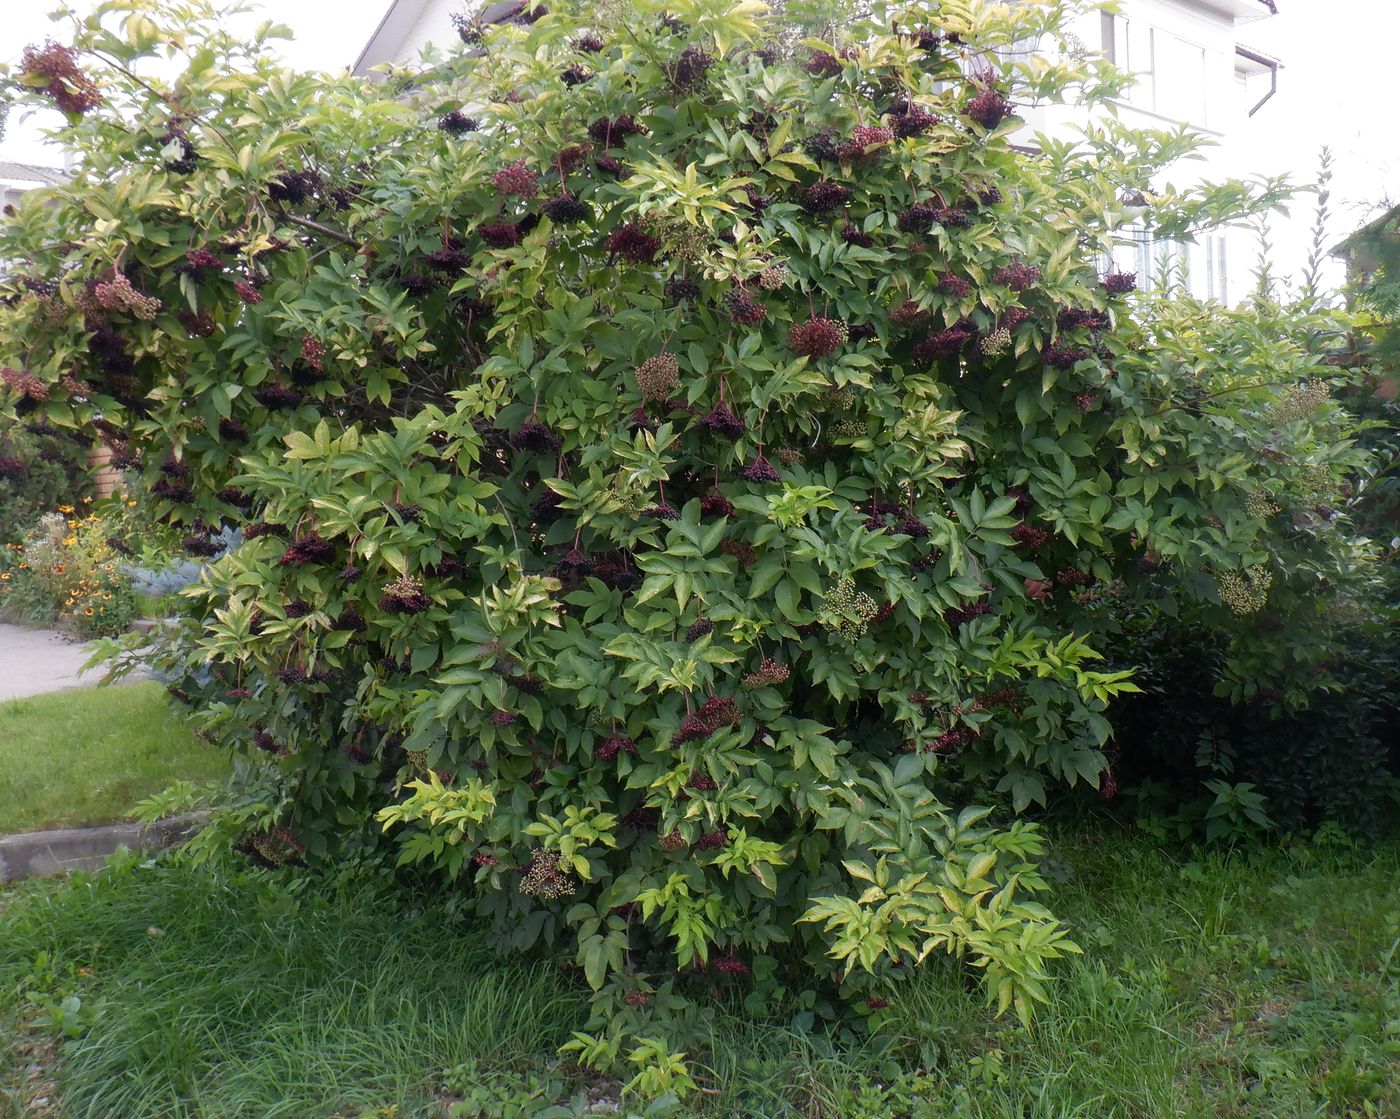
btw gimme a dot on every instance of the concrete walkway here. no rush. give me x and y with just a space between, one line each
34 661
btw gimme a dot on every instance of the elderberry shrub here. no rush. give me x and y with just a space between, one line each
617 549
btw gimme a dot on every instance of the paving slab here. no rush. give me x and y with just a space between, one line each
39 853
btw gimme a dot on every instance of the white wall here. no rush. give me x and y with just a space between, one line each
432 25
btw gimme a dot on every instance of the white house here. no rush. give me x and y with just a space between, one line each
1192 68
407 27
16 178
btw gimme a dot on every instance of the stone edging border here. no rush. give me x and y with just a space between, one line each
31 854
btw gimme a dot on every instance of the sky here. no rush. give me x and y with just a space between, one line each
1334 90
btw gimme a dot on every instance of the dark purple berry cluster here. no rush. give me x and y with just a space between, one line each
306 549
817 337
1030 537
853 236
54 69
823 197
918 218
633 243
516 180
716 504
612 746
682 289
989 108
613 132
1071 317
956 616
350 620
456 123
449 258
720 421
942 343
537 438
864 141
701 627
768 674
565 209
274 397
760 471
823 64
743 310
1062 357
823 146
500 234
294 187
687 73
909 120
1017 276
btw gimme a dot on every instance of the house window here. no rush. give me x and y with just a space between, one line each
1215 267
1131 45
1161 263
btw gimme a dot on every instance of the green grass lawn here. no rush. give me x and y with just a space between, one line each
1263 985
87 756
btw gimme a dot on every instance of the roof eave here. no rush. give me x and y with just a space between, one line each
378 49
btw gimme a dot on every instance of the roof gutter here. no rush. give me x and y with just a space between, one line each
1264 60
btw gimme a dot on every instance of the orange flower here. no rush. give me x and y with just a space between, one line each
89 611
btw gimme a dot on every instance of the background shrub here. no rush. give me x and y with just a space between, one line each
1298 703
42 466
67 571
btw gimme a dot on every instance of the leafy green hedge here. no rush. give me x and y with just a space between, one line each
674 455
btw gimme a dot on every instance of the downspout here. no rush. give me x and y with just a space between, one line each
1263 60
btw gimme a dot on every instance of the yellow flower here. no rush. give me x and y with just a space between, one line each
5 577
105 597
87 501
68 603
89 611
132 504
65 508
